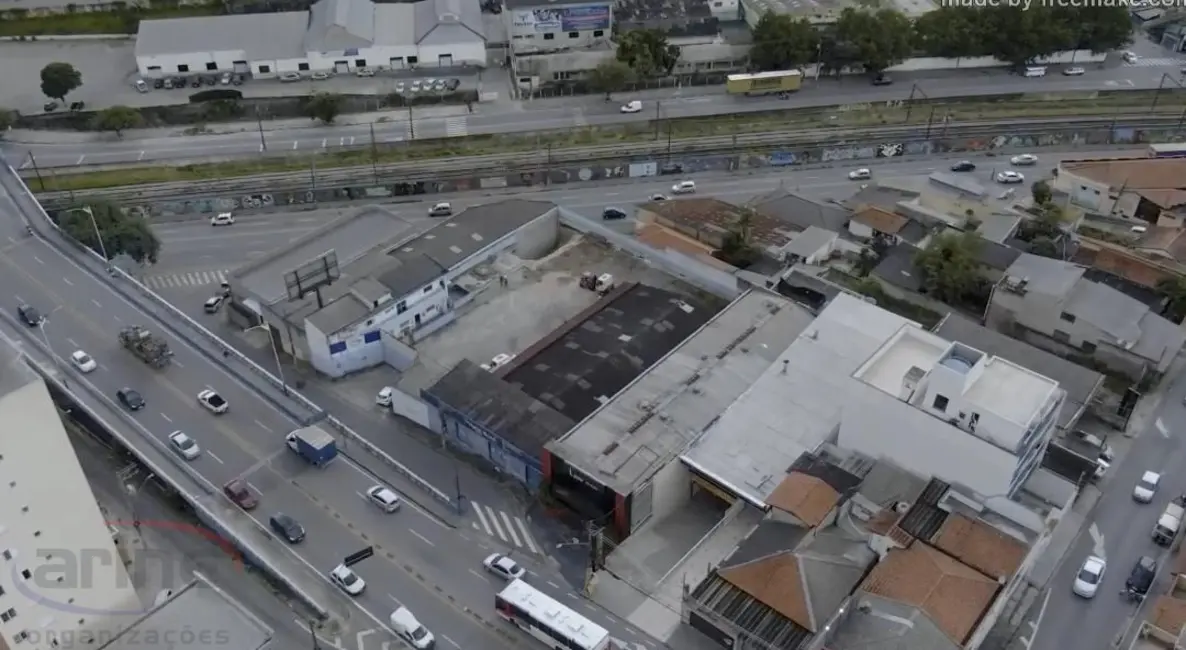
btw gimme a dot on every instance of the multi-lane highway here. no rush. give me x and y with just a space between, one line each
417 549
541 115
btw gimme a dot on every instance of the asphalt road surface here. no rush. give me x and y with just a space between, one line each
541 115
83 312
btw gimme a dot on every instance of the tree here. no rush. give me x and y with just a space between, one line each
1100 28
1041 192
58 80
122 233
950 266
324 106
610 77
1021 34
647 52
117 119
879 40
736 247
7 120
1173 293
782 42
950 31
1045 247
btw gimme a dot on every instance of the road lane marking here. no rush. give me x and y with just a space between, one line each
570 595
92 300
421 537
67 281
258 491
455 644
140 157
294 145
263 426
526 535
361 636
480 576
177 363
510 528
80 159
395 600
73 342
323 143
216 458
167 418
553 584
494 522
38 259
1161 428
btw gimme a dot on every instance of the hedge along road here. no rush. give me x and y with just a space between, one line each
834 120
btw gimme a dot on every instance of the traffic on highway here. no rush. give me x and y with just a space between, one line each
543 115
421 562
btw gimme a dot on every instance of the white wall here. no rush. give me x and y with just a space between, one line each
473 54
48 510
319 356
1050 487
859 229
410 407
881 426
673 488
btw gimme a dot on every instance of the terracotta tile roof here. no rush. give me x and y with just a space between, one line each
1134 174
775 581
901 536
1168 614
1120 261
659 237
1171 241
882 221
980 546
717 217
804 496
954 595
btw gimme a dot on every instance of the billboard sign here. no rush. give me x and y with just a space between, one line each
561 19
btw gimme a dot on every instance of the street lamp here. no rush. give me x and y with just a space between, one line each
275 354
94 224
134 491
49 346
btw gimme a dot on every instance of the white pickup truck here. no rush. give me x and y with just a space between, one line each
1170 522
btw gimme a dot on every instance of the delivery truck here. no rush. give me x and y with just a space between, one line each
1170 522
764 83
314 444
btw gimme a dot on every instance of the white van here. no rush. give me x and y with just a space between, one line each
1035 71
410 629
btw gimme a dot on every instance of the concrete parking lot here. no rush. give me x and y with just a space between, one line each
108 69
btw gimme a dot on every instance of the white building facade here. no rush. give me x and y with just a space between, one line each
62 580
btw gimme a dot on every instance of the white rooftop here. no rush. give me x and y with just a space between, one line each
994 385
655 417
796 404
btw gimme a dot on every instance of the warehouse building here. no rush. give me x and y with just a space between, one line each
338 36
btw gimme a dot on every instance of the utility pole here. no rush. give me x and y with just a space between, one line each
259 122
658 107
930 120
411 125
313 178
374 154
313 635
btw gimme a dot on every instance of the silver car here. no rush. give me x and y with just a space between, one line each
184 445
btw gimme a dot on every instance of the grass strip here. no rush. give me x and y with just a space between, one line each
18 22
681 128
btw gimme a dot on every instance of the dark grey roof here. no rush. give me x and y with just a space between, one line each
498 407
897 268
997 256
801 212
1080 383
747 613
588 359
842 481
925 517
1067 463
914 231
410 273
455 240
338 313
769 538
876 623
886 198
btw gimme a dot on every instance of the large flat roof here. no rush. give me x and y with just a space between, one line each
351 237
238 33
501 408
1079 383
654 418
453 241
214 618
795 405
586 361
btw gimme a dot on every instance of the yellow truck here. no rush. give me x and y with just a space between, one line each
764 83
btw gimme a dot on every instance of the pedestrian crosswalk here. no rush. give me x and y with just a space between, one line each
455 127
179 280
1162 62
508 528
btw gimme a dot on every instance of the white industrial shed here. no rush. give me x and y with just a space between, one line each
332 36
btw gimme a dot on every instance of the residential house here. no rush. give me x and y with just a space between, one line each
1050 304
710 220
874 222
812 246
1149 190
797 213
1165 625
900 278
1145 266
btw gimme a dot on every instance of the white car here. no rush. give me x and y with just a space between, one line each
1010 177
83 361
1024 159
684 187
504 567
860 175
222 219
442 209
1130 57
632 107
400 88
384 396
1074 72
415 87
383 497
184 445
364 72
1088 580
213 401
1146 487
1101 469
319 76
347 580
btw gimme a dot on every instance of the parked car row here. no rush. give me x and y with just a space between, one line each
427 86
195 81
